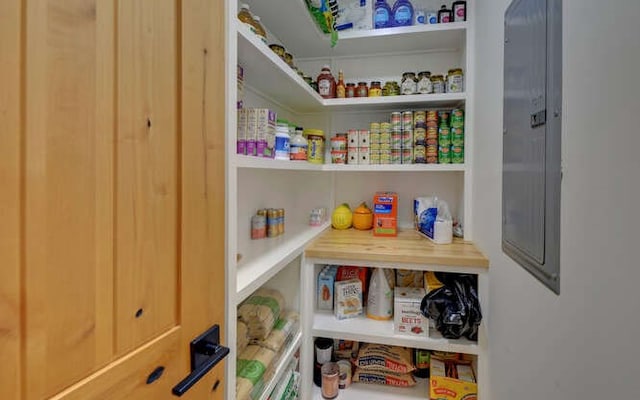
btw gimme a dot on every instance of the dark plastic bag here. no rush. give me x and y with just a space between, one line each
454 308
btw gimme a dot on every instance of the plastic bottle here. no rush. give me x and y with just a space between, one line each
402 13
326 83
381 15
282 141
298 146
259 29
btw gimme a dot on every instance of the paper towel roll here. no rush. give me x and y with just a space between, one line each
443 232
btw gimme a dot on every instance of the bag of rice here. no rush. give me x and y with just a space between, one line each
282 331
383 357
252 371
383 378
261 311
242 338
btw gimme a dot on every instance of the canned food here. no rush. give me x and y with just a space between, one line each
374 127
258 226
419 136
444 136
272 222
407 120
374 146
280 221
385 146
407 139
374 137
432 142
385 156
432 115
432 133
437 81
432 124
396 140
385 127
396 156
385 137
457 154
338 156
407 156
338 143
420 154
457 113
444 155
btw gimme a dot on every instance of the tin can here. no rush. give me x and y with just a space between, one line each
432 115
407 120
338 143
280 221
272 222
457 114
374 146
385 137
396 141
396 120
444 155
385 127
374 137
385 146
374 127
374 156
457 154
258 226
396 156
385 156
457 136
443 117
419 136
420 154
407 139
407 156
432 133
432 124
444 136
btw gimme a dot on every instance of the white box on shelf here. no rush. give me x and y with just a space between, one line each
363 155
352 155
408 319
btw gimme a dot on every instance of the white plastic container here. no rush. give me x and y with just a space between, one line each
298 147
282 142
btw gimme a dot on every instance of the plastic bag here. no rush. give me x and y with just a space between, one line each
433 219
454 308
325 12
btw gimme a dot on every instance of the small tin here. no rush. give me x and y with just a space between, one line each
374 137
444 155
419 136
407 156
407 139
457 154
407 120
374 157
385 127
420 154
272 223
396 156
258 226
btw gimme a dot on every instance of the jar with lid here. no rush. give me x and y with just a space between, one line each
444 15
350 91
424 82
409 83
244 15
315 141
455 80
298 146
375 90
326 83
438 83
259 29
362 90
391 88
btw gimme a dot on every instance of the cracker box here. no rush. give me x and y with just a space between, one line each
326 280
443 387
265 132
348 299
385 214
408 319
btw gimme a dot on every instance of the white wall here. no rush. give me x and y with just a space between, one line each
584 343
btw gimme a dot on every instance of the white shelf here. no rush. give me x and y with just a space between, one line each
243 161
394 167
418 101
309 42
368 330
268 74
360 391
266 257
284 361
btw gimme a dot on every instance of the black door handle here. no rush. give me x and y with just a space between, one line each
206 352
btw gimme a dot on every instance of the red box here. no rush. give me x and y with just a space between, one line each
385 214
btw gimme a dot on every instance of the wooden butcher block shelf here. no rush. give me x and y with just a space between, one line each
409 248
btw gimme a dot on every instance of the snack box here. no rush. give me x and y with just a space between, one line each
385 214
347 272
326 280
408 319
443 387
348 299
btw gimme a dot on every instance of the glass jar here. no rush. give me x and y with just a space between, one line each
424 82
391 88
375 90
326 83
455 80
259 29
438 83
350 91
362 90
409 83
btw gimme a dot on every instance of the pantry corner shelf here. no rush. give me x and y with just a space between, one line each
359 391
325 324
269 75
286 357
266 257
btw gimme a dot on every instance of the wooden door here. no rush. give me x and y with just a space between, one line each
112 199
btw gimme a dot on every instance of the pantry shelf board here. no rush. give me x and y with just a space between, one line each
364 329
395 167
408 248
359 391
267 73
266 257
242 161
284 361
302 38
394 103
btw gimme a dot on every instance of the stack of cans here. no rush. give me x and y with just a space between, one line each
444 138
407 138
420 137
385 143
431 137
457 136
374 143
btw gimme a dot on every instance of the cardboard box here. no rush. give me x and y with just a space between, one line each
265 132
348 299
408 319
241 145
442 387
385 214
326 281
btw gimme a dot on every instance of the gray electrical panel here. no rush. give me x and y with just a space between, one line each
531 173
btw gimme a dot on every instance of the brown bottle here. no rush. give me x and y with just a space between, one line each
340 87
326 83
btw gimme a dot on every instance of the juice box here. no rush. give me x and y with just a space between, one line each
326 280
385 214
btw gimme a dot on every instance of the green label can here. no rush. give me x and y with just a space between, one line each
444 155
457 154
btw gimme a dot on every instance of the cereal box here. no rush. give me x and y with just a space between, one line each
408 319
385 214
348 299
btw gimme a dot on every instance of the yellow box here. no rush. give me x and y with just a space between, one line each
442 387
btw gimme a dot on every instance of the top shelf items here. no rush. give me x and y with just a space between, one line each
266 73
